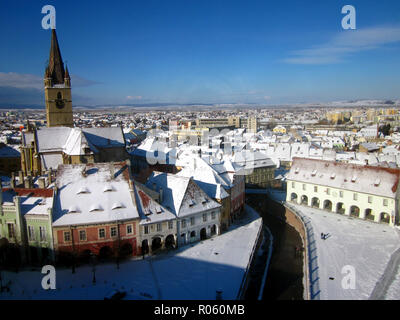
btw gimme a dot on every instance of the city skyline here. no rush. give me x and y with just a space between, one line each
225 52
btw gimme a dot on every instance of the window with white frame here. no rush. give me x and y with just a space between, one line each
355 196
67 236
42 233
159 227
328 191
183 223
82 235
170 224
146 229
102 233
315 189
293 184
113 231
31 233
341 194
129 229
369 199
304 187
204 217
192 221
385 202
213 215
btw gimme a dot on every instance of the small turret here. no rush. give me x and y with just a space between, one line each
67 78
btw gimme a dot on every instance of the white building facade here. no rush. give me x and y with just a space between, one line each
364 192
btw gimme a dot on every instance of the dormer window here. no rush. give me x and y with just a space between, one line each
354 178
377 182
333 175
297 170
314 173
73 209
95 207
191 203
83 190
108 188
159 210
117 205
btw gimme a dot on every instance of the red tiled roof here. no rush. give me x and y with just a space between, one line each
36 192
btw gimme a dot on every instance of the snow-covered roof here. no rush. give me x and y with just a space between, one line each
181 195
207 179
352 177
72 141
150 211
33 201
81 188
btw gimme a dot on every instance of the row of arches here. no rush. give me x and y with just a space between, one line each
354 211
157 243
170 242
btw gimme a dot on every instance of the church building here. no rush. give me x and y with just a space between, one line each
60 142
57 89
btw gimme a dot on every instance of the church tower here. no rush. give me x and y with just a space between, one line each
57 89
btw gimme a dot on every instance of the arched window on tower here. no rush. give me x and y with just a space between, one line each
59 95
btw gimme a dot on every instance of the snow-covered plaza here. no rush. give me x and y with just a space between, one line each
195 272
369 247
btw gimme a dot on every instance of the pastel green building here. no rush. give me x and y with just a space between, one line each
25 221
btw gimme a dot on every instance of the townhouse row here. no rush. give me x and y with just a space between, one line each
98 209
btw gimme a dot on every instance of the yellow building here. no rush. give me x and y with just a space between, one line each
57 88
279 129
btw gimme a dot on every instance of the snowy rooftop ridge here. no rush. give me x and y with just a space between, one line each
346 176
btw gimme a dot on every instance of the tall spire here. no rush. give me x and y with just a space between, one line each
66 73
56 65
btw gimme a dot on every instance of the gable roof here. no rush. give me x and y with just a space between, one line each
149 210
72 141
181 195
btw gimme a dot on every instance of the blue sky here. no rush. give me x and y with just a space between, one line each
266 52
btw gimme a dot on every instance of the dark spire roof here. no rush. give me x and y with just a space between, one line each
67 73
47 72
56 65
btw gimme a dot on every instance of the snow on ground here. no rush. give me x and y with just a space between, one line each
367 246
191 272
393 292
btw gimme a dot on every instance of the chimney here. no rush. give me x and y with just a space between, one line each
12 182
20 178
42 183
26 182
112 170
49 174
